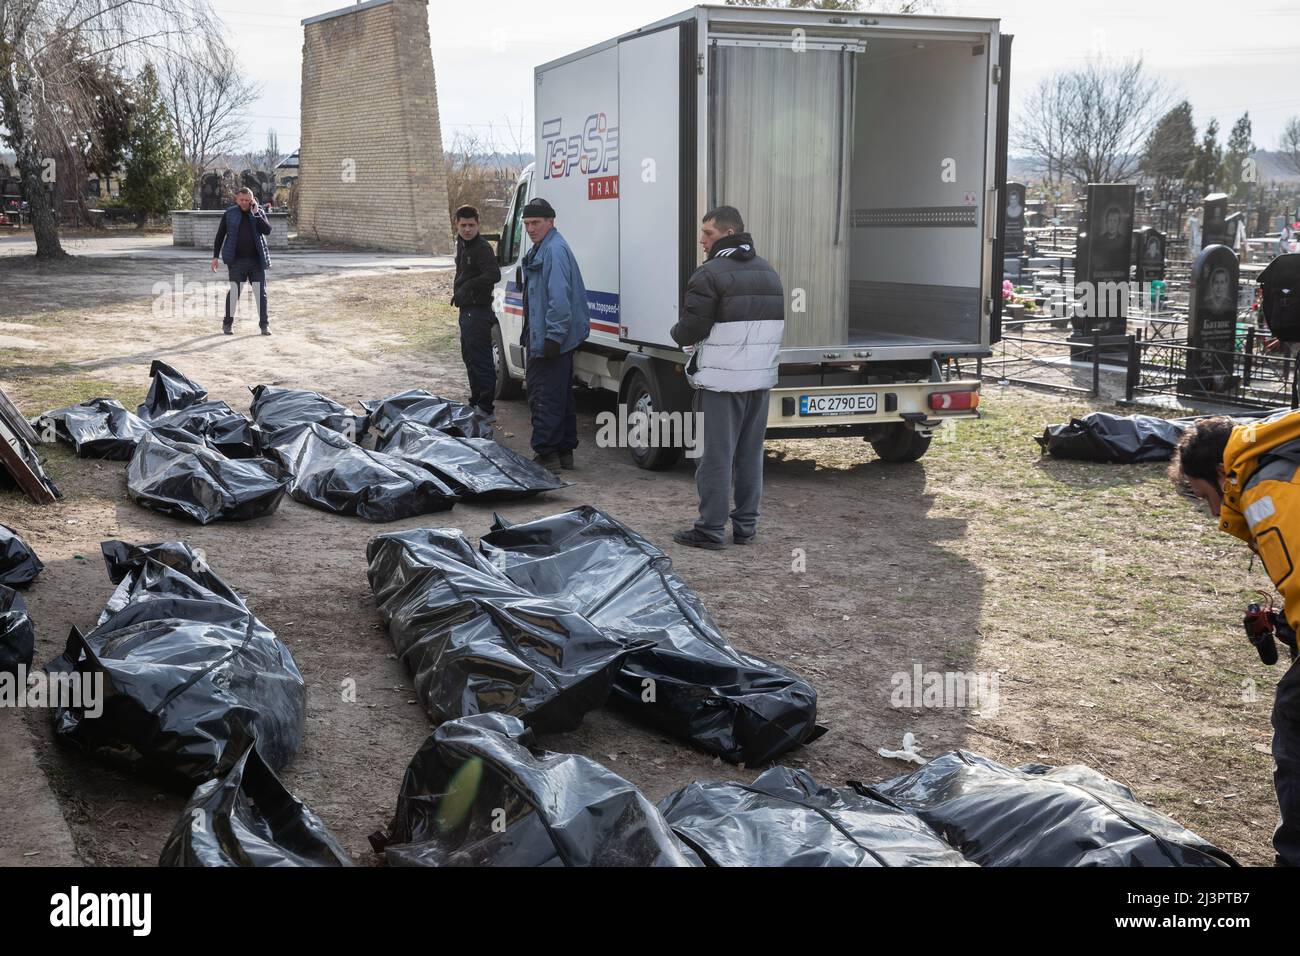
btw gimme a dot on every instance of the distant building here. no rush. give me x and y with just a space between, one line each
286 170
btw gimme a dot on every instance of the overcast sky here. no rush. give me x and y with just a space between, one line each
1226 57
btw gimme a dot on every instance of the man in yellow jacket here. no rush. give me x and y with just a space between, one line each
1249 475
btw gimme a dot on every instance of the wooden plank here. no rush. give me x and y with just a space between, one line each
18 455
9 412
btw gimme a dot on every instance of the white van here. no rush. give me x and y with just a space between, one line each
867 155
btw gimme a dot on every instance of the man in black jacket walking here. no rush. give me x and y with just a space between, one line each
732 322
477 273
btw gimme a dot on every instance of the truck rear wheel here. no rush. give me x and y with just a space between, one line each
643 395
507 387
902 443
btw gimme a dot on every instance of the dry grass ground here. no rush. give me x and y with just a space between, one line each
1107 604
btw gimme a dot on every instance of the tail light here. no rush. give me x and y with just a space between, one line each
954 401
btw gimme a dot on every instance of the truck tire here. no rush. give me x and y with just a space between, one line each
903 443
507 387
643 395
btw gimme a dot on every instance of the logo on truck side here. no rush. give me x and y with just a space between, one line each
593 152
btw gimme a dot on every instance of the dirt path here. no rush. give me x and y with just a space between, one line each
977 559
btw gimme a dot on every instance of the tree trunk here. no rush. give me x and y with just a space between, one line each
45 222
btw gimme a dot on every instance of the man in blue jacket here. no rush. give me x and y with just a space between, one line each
241 245
555 323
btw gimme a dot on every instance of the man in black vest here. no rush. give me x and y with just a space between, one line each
241 245
477 273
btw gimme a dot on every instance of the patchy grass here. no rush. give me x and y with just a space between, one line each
1112 607
414 309
39 388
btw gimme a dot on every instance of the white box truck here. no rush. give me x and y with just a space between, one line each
867 155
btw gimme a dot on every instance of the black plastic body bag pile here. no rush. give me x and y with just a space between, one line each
17 635
785 818
97 428
333 473
474 467
244 816
1120 439
186 665
169 390
274 408
690 682
171 474
177 402
476 642
103 428
476 794
19 564
424 408
1037 815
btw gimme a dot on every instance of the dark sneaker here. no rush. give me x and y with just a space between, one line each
566 460
226 328
744 538
489 416
693 539
266 329
549 462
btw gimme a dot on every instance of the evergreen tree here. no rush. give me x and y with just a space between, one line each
1169 149
1237 173
156 177
1207 162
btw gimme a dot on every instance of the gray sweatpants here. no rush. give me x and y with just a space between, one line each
732 428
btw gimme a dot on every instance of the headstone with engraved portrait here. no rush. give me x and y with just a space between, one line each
1103 251
1212 321
1151 255
1214 229
1013 237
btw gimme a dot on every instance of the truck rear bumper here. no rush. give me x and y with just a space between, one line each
807 411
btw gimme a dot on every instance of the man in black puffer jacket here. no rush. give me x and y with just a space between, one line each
733 318
476 274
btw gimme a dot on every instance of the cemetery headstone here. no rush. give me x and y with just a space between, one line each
1102 255
1214 231
1234 231
1212 321
1013 244
211 192
1151 255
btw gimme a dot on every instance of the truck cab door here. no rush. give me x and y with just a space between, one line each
507 300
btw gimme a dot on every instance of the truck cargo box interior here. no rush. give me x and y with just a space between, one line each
859 166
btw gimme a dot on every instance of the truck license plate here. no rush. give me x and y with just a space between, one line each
859 403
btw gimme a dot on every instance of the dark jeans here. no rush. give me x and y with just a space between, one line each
1286 766
476 323
250 271
550 398
733 425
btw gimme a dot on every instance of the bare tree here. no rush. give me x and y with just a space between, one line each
46 99
1089 125
1042 129
480 175
1290 143
263 160
207 96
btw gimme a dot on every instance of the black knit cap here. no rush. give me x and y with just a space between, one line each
539 209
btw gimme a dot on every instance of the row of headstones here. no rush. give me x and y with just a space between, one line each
1110 212
1107 247
216 191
